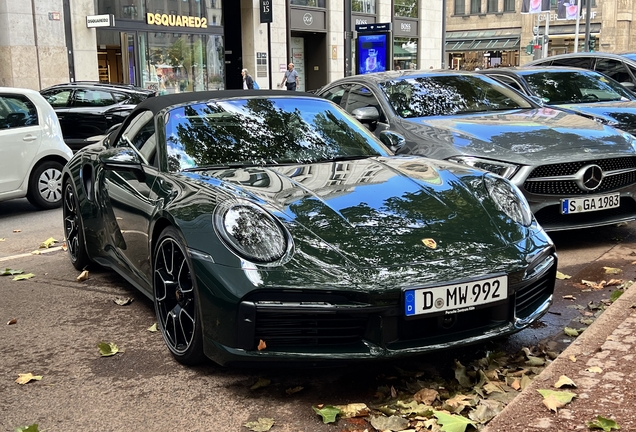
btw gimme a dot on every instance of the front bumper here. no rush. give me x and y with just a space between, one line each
318 326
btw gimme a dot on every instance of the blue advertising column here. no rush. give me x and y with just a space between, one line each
374 48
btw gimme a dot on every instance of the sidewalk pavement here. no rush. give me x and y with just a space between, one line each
609 344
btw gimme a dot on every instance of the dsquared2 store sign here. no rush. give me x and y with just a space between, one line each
176 20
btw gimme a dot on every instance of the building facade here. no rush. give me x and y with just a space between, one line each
191 45
488 33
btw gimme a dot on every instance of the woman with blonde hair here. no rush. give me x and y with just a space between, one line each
248 81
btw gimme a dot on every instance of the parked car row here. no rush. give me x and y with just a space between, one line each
87 109
273 226
574 171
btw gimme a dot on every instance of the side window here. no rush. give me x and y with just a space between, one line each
17 111
582 62
509 81
92 98
335 94
57 98
140 135
614 69
120 97
360 96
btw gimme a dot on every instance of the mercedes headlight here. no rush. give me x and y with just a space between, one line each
251 232
503 169
509 199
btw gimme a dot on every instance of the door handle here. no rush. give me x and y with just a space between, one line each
29 138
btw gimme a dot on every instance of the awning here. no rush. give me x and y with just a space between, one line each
483 40
503 44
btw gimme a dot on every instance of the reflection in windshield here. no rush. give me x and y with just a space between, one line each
444 95
575 87
261 131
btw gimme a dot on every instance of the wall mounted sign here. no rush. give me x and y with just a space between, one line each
176 20
266 11
106 20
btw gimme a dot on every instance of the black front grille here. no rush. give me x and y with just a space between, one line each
570 168
529 298
550 218
569 187
279 329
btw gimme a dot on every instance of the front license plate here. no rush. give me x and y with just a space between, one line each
456 298
589 204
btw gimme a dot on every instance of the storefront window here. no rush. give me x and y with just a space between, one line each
313 3
404 53
363 6
405 8
175 63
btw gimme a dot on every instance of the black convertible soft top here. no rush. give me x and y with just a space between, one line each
156 104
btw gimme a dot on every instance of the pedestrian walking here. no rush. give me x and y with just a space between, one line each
291 78
248 81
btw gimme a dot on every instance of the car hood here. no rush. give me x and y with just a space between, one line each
623 113
379 212
520 136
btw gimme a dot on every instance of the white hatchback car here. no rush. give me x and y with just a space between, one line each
32 150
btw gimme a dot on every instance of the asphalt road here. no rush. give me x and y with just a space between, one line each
60 321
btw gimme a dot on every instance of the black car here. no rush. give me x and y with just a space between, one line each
574 171
90 109
582 91
620 67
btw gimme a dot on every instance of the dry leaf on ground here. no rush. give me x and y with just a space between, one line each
83 276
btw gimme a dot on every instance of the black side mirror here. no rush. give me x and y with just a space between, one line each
392 140
122 159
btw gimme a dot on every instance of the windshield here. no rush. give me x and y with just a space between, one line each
262 131
571 87
443 95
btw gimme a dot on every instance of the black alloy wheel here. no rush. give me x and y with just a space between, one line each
175 298
73 229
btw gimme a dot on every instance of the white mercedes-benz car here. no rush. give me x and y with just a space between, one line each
32 150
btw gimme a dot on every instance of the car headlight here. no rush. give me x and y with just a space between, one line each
251 232
503 169
509 199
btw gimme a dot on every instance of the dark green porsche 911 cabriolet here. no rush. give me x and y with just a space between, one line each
270 226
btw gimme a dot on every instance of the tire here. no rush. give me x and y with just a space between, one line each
74 229
176 299
45 185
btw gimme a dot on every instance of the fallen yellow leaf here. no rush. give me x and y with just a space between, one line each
83 276
594 369
612 270
572 359
564 381
562 276
28 377
48 243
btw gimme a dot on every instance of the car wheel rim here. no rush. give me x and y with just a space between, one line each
50 185
71 224
174 296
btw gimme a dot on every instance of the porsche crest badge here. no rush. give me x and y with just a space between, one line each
430 243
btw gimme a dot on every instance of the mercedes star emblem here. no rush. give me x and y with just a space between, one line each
592 177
